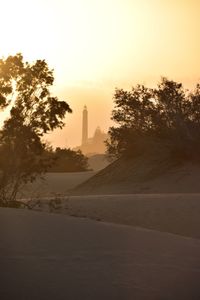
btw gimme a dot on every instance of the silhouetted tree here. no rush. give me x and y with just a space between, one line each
25 88
67 160
152 119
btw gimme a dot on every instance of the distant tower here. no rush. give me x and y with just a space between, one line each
85 126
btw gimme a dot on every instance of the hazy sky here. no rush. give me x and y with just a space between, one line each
97 45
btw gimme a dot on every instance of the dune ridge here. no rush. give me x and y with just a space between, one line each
143 175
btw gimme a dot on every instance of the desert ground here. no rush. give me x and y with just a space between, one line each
169 212
52 256
174 213
54 184
108 246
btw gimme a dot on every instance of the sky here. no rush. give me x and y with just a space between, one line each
95 46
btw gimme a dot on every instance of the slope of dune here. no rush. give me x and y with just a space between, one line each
53 184
143 175
98 162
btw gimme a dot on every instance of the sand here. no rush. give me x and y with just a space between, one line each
142 176
52 256
144 246
174 213
54 184
169 212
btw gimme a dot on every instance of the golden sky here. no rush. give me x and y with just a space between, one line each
95 46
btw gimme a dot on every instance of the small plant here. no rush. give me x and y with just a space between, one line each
55 204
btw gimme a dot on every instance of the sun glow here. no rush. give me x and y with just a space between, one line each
95 45
95 40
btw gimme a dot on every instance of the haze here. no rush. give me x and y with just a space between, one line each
95 46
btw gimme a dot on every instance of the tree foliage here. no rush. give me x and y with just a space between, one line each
151 119
25 89
67 160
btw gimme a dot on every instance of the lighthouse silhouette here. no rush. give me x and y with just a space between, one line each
85 126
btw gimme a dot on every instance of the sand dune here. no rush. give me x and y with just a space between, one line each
73 258
154 208
150 175
50 256
54 184
175 213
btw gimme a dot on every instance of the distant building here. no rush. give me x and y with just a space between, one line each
95 144
85 126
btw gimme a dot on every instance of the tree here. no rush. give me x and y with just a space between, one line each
166 117
67 160
25 88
